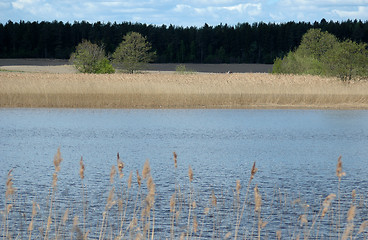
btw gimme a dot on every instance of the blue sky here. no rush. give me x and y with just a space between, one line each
183 12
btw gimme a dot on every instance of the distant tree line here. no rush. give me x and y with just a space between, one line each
243 43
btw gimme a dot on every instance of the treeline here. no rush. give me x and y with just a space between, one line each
243 43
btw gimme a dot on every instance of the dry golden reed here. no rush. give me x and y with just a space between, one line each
110 198
120 165
351 213
363 227
278 235
213 199
253 171
227 235
65 216
172 202
175 159
112 174
140 222
165 90
257 199
57 160
190 173
139 179
238 187
81 169
195 224
146 170
326 203
130 180
339 172
10 190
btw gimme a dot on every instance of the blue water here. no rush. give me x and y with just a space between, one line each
295 151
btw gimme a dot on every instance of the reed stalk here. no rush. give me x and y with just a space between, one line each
239 218
185 219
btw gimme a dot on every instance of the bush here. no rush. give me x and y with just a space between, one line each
90 58
181 68
104 66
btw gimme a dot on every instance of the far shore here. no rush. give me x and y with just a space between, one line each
59 86
64 66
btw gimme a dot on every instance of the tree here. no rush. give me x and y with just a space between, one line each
316 43
90 58
320 53
347 60
133 53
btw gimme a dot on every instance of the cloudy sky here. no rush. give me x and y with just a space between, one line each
183 12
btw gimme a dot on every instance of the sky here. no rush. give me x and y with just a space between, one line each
184 13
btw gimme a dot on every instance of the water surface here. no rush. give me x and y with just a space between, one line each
295 151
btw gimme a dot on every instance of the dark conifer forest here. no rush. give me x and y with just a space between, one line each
242 43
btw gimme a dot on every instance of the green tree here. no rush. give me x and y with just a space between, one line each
347 60
316 43
320 53
90 58
133 53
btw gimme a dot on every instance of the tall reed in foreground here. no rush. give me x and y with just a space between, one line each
131 211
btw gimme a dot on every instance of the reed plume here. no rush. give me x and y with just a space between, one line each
81 170
326 203
175 159
139 179
339 172
172 202
120 166
213 199
31 225
253 171
10 190
239 217
112 174
57 160
190 173
257 199
195 224
363 227
146 170
238 187
130 180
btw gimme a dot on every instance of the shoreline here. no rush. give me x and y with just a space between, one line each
164 90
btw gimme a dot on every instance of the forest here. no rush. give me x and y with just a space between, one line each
243 43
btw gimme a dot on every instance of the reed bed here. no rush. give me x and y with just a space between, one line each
173 90
131 210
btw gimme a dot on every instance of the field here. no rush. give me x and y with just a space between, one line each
58 85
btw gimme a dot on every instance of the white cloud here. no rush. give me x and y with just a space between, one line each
210 2
250 8
361 12
21 4
183 12
182 8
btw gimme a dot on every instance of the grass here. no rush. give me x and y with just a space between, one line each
131 210
171 90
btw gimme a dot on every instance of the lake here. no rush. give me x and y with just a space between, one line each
295 151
